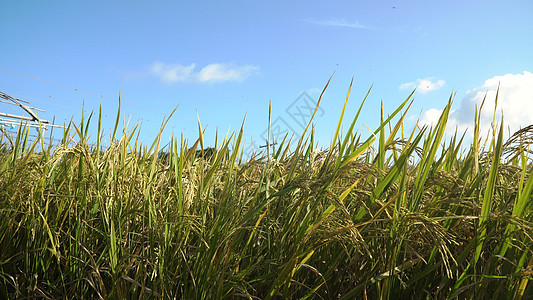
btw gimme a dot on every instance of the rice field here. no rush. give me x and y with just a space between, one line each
401 214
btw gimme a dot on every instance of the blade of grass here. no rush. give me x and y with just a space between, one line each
486 208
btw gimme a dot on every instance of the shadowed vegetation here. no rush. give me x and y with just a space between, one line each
395 215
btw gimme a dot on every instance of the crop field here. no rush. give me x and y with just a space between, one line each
400 214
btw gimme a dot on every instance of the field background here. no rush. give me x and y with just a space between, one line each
399 214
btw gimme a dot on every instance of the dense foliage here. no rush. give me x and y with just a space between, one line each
414 216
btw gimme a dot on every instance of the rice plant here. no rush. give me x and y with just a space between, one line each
398 214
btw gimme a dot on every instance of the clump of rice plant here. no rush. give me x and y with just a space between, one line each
395 215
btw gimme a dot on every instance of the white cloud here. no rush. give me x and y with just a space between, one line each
515 100
171 73
224 72
423 86
341 23
431 117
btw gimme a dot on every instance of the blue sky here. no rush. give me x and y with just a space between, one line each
224 60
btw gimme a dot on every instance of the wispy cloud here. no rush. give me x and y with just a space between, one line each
314 91
172 72
340 23
514 100
423 86
217 72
